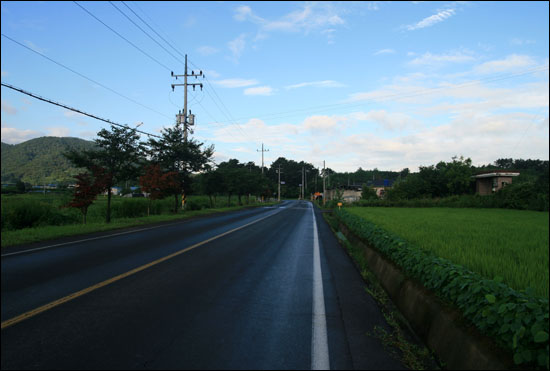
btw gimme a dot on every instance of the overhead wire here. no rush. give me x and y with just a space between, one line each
151 28
84 76
226 113
122 37
150 37
142 30
175 49
362 102
75 109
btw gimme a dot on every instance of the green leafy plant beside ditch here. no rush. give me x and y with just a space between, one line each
516 320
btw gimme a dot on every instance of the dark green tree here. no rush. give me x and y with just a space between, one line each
119 153
368 193
212 185
20 186
174 154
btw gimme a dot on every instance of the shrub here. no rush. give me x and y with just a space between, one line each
129 208
28 213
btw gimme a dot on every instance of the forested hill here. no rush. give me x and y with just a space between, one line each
40 160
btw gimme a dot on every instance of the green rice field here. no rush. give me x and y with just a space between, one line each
512 244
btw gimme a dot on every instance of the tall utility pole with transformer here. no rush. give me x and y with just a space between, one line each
184 119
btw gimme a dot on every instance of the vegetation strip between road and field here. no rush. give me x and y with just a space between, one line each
87 290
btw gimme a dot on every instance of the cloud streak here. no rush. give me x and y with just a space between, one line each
259 90
236 83
316 84
431 20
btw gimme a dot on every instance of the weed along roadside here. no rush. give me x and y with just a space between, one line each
470 322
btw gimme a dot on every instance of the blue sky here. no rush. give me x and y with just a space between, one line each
358 84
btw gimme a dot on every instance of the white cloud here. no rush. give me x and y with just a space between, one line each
312 16
242 150
89 135
316 84
511 62
259 90
330 35
243 12
15 136
8 108
482 137
323 123
518 41
384 51
207 50
58 131
390 121
237 46
256 130
212 73
34 47
236 83
71 114
435 59
431 20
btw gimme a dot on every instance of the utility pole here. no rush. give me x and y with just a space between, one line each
266 150
279 194
324 186
303 193
305 181
186 120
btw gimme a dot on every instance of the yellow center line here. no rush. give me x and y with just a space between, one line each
53 304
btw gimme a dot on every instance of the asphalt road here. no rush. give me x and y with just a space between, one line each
265 288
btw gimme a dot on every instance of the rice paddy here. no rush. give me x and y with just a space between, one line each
512 244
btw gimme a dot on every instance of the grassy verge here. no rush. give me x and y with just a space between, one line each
516 320
36 234
398 341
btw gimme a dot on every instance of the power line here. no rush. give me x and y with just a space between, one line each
74 109
122 37
242 132
170 45
142 30
152 29
226 113
215 122
334 106
85 77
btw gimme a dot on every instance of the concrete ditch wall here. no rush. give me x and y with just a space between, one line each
442 328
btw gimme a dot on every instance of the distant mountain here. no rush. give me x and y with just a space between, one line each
40 160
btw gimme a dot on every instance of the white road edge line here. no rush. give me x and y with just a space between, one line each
319 341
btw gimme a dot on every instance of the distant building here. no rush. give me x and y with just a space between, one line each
347 194
381 186
489 182
115 191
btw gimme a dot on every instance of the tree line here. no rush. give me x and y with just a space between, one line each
120 156
169 166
